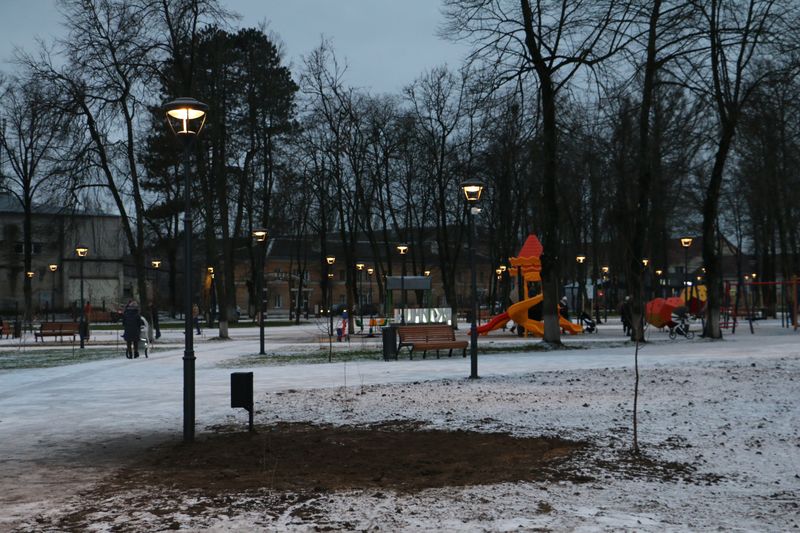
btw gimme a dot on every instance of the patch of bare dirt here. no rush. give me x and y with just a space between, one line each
305 457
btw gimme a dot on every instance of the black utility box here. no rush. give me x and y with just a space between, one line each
242 390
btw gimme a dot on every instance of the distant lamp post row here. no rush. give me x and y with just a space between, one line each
260 236
580 259
473 190
186 118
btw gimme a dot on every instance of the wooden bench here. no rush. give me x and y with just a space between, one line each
56 329
429 337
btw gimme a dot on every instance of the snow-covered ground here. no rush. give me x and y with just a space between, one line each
728 409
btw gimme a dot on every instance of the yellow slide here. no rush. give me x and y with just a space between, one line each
519 314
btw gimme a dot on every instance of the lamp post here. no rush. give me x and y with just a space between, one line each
370 273
82 252
53 268
260 236
580 259
360 268
403 250
156 264
604 269
686 242
472 194
329 261
186 118
659 272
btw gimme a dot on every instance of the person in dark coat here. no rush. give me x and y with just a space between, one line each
131 324
154 319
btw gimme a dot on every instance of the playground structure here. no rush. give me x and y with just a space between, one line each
530 267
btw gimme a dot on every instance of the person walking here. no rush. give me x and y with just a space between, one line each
196 317
154 320
131 325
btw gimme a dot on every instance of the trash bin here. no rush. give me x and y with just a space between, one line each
338 334
242 393
389 335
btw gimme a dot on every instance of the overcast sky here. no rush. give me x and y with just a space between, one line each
386 43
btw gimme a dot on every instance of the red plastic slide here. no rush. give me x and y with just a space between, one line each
495 322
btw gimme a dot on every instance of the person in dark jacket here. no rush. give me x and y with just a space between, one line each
131 324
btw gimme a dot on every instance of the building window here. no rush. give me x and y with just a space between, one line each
278 301
19 248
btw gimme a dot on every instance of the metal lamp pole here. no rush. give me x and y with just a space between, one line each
686 242
329 261
186 118
53 269
472 193
82 251
260 235
360 268
581 259
403 249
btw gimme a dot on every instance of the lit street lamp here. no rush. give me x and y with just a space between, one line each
82 252
360 268
329 261
403 250
580 259
686 242
186 118
53 268
156 264
260 236
472 194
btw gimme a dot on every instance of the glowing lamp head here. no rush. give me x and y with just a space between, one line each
53 267
156 263
604 269
645 262
260 234
330 259
81 251
686 242
580 259
402 248
370 271
30 274
360 266
427 273
186 117
473 189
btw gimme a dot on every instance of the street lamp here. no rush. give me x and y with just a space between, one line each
82 252
370 273
329 261
580 259
360 268
473 189
186 118
403 250
686 242
156 264
260 236
53 268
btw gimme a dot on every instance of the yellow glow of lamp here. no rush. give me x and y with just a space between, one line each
155 263
81 251
645 261
473 189
604 269
260 234
686 242
402 248
53 267
427 273
370 271
360 266
30 274
580 258
186 116
330 259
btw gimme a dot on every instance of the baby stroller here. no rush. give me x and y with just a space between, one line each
589 325
679 325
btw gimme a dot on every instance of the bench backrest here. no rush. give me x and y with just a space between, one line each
59 326
439 332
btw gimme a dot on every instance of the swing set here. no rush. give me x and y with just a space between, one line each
742 298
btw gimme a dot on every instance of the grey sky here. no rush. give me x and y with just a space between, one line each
386 43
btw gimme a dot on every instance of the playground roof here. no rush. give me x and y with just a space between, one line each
532 247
